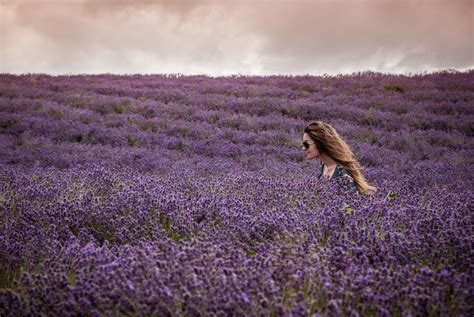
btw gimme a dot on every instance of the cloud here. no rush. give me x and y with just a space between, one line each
386 35
246 37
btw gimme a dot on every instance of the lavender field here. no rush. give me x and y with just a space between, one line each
157 195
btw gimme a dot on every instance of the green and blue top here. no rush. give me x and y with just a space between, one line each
339 171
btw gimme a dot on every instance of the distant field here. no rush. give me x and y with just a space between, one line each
190 195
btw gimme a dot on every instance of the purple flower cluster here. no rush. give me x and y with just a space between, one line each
190 195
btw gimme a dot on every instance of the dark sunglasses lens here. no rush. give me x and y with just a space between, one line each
305 145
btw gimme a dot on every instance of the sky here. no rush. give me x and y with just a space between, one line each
246 37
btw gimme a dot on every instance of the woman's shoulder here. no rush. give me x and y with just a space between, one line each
341 173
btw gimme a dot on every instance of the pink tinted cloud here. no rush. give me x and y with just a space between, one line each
246 37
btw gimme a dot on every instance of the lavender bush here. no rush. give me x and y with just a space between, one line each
190 195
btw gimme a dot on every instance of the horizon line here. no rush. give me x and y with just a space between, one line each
361 72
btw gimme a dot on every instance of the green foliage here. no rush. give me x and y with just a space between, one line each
290 111
166 224
401 110
145 112
71 277
459 160
394 87
298 159
306 89
120 107
85 119
212 119
9 274
182 132
180 146
204 135
74 230
360 85
101 109
282 139
5 124
133 141
36 107
391 195
373 105
56 114
77 138
370 119
77 102
102 232
250 252
149 125
346 208
163 125
84 137
366 136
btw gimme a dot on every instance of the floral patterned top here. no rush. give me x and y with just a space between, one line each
339 171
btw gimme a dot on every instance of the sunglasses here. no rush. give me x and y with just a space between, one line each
306 145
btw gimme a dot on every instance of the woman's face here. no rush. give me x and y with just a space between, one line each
311 151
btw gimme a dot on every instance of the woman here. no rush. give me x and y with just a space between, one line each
322 141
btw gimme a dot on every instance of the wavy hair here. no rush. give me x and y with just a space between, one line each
329 142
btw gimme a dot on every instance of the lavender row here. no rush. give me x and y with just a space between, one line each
247 242
190 195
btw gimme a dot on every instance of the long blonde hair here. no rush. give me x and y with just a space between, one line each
329 142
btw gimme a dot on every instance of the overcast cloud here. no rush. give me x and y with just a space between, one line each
235 37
